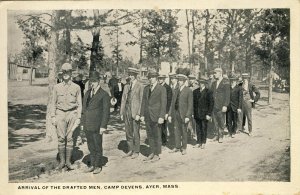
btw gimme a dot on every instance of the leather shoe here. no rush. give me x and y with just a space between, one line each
202 146
174 150
97 170
183 152
155 158
134 155
128 154
150 157
220 140
197 146
89 169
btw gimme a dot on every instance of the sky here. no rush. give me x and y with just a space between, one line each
15 36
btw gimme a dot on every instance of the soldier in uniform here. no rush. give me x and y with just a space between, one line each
66 114
153 112
162 82
130 112
221 94
182 106
95 116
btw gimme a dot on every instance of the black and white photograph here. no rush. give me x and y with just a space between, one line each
98 95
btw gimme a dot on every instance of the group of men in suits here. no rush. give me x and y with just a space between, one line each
166 110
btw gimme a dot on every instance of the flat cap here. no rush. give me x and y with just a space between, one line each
172 75
133 70
152 74
218 70
191 76
245 75
162 76
181 77
66 66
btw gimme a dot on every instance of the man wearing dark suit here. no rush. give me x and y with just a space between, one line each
235 106
221 94
249 100
203 107
118 92
131 112
153 111
95 116
164 133
171 114
113 86
182 106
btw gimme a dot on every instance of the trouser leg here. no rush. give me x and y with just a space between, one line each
91 146
203 131
248 114
98 148
184 133
136 136
198 130
178 130
129 129
150 136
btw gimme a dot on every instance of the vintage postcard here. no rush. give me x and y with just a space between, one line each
170 97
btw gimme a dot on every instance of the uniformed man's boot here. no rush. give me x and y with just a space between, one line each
68 159
62 156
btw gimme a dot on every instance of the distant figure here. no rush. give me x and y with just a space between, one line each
78 80
94 121
130 112
66 114
113 85
251 95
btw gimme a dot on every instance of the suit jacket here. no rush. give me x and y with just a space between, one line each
203 103
113 86
95 114
185 102
171 111
136 99
236 98
169 96
154 105
253 90
221 94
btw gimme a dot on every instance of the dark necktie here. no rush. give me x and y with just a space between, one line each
150 90
177 100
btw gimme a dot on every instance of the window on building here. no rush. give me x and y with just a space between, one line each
25 71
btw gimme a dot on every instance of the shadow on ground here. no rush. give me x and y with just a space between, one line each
26 124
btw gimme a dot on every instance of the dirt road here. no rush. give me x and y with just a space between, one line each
263 157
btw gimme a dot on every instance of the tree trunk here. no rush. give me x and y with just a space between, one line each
68 36
271 78
193 37
206 39
141 42
96 41
30 75
52 51
188 34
